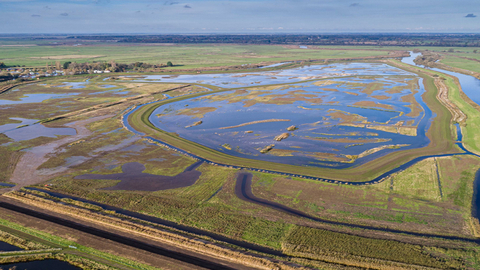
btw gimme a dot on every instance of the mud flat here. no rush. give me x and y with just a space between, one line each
26 173
195 124
257 122
282 136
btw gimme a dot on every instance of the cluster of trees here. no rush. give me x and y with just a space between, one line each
111 66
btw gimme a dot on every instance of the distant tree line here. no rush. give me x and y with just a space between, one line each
443 40
111 66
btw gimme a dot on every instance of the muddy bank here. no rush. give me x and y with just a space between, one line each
26 173
133 178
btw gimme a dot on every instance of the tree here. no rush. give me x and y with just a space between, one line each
2 65
169 64
66 64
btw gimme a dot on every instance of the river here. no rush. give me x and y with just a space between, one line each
471 87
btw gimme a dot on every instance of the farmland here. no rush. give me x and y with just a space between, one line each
172 148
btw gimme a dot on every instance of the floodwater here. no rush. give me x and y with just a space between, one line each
322 112
35 98
41 265
7 247
314 72
32 131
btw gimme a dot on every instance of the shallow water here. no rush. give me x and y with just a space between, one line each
311 116
35 98
33 130
41 265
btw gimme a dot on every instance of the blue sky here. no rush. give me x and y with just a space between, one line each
239 16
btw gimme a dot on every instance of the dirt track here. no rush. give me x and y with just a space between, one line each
26 173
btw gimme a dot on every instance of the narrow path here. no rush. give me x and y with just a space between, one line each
243 190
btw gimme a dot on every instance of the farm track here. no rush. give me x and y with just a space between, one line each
243 190
196 261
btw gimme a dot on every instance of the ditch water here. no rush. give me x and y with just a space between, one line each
41 265
4 247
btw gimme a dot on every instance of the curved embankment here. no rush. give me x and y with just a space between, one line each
243 190
440 134
254 163
118 238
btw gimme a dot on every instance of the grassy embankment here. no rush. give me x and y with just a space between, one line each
471 138
41 245
439 133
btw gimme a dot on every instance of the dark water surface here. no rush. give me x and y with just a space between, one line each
40 265
7 247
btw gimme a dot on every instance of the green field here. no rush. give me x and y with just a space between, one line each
186 56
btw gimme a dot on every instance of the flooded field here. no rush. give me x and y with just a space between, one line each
360 112
314 72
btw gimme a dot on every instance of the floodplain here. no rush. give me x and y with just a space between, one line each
152 144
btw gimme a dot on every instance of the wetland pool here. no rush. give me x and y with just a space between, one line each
339 122
31 130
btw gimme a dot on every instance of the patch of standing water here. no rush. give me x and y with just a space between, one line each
35 98
32 131
73 85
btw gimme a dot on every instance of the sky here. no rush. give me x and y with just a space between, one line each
238 16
